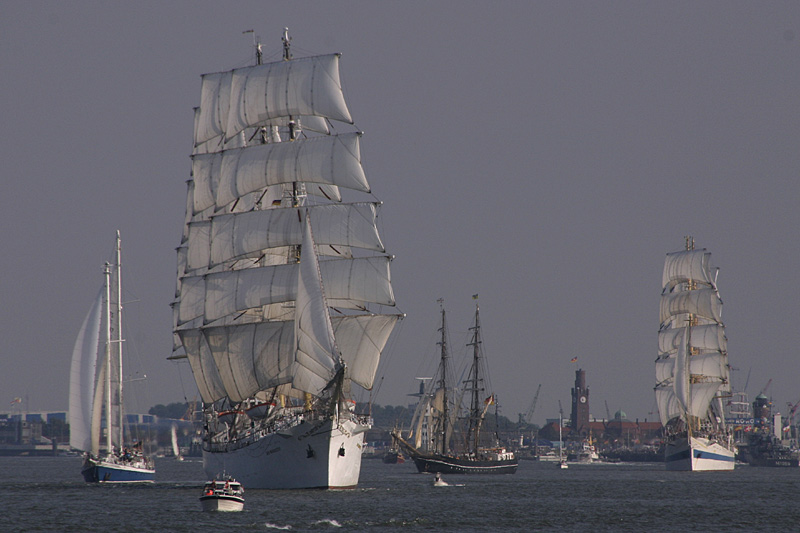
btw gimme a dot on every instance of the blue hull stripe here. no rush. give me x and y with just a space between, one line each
684 454
97 473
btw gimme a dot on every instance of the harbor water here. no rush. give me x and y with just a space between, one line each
48 494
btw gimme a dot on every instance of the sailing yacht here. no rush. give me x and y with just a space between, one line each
692 371
440 408
282 285
96 389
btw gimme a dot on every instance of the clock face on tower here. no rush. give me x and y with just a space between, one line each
583 399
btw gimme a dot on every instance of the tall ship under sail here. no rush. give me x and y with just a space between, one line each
435 443
692 372
283 286
95 390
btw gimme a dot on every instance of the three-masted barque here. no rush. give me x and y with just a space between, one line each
282 284
692 372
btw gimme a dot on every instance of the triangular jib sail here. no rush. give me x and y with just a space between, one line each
83 371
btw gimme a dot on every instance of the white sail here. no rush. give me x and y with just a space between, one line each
174 434
687 265
204 367
665 370
198 245
347 281
702 394
705 338
681 379
316 355
704 303
361 339
251 357
307 86
668 405
242 360
712 366
83 369
212 115
221 178
239 235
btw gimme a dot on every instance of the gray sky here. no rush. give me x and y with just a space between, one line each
545 155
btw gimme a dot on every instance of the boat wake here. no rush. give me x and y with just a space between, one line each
327 521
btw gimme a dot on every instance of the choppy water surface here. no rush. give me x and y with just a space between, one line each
48 494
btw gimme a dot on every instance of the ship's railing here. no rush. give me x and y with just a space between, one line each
224 441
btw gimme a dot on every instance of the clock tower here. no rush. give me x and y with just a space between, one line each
580 405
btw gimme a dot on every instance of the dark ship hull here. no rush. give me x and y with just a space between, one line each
765 449
393 458
445 464
781 462
763 452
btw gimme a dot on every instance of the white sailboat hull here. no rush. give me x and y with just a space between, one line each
312 454
698 454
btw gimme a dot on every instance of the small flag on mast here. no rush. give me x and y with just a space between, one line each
474 296
574 360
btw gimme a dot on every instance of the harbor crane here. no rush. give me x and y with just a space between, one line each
792 411
764 390
525 419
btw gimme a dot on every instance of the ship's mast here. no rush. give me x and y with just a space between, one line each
475 413
443 377
107 273
118 339
287 56
691 321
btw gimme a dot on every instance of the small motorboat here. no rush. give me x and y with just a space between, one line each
438 481
222 495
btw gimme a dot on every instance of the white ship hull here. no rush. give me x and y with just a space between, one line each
311 454
698 454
